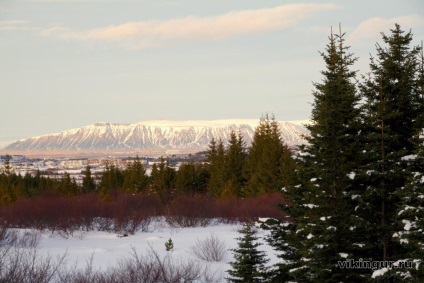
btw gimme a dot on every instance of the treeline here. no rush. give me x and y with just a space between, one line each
229 171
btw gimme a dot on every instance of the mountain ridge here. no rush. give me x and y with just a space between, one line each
157 135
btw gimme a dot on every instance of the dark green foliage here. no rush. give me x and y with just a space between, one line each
264 167
112 178
169 245
235 156
216 165
162 180
288 268
393 112
135 178
249 264
191 178
88 183
410 218
410 214
68 185
7 168
321 208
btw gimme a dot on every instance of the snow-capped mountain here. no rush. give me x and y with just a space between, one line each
151 135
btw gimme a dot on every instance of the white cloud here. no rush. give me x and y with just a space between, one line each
75 1
152 33
371 28
14 25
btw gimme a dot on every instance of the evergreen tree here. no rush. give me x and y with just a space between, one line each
191 178
321 210
211 153
135 177
411 219
235 156
202 178
112 178
411 210
186 178
392 121
263 160
88 183
249 264
68 186
216 160
7 167
162 180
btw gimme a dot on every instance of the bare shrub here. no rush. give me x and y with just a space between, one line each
153 268
20 262
8 237
210 249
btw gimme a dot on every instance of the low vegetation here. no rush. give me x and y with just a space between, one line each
210 249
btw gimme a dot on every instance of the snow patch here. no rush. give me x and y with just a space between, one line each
409 157
379 272
407 226
310 205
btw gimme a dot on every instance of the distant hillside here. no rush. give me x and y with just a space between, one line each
156 136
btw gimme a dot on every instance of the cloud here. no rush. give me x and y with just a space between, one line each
75 1
14 25
371 28
153 33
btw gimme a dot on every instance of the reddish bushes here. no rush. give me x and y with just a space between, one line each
197 210
126 213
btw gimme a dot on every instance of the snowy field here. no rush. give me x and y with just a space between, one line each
106 250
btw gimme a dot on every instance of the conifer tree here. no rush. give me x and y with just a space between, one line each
393 110
410 217
135 177
186 178
216 159
162 180
263 163
322 214
410 214
88 183
7 167
68 185
249 264
211 153
112 178
235 156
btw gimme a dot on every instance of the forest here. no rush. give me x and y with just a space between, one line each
354 192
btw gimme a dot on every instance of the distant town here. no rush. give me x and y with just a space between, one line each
56 167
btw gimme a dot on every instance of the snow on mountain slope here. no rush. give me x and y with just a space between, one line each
151 135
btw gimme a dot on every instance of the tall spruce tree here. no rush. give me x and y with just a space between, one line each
410 215
392 120
320 234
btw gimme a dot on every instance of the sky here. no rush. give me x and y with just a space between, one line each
70 63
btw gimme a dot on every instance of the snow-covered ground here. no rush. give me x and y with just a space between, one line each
107 249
